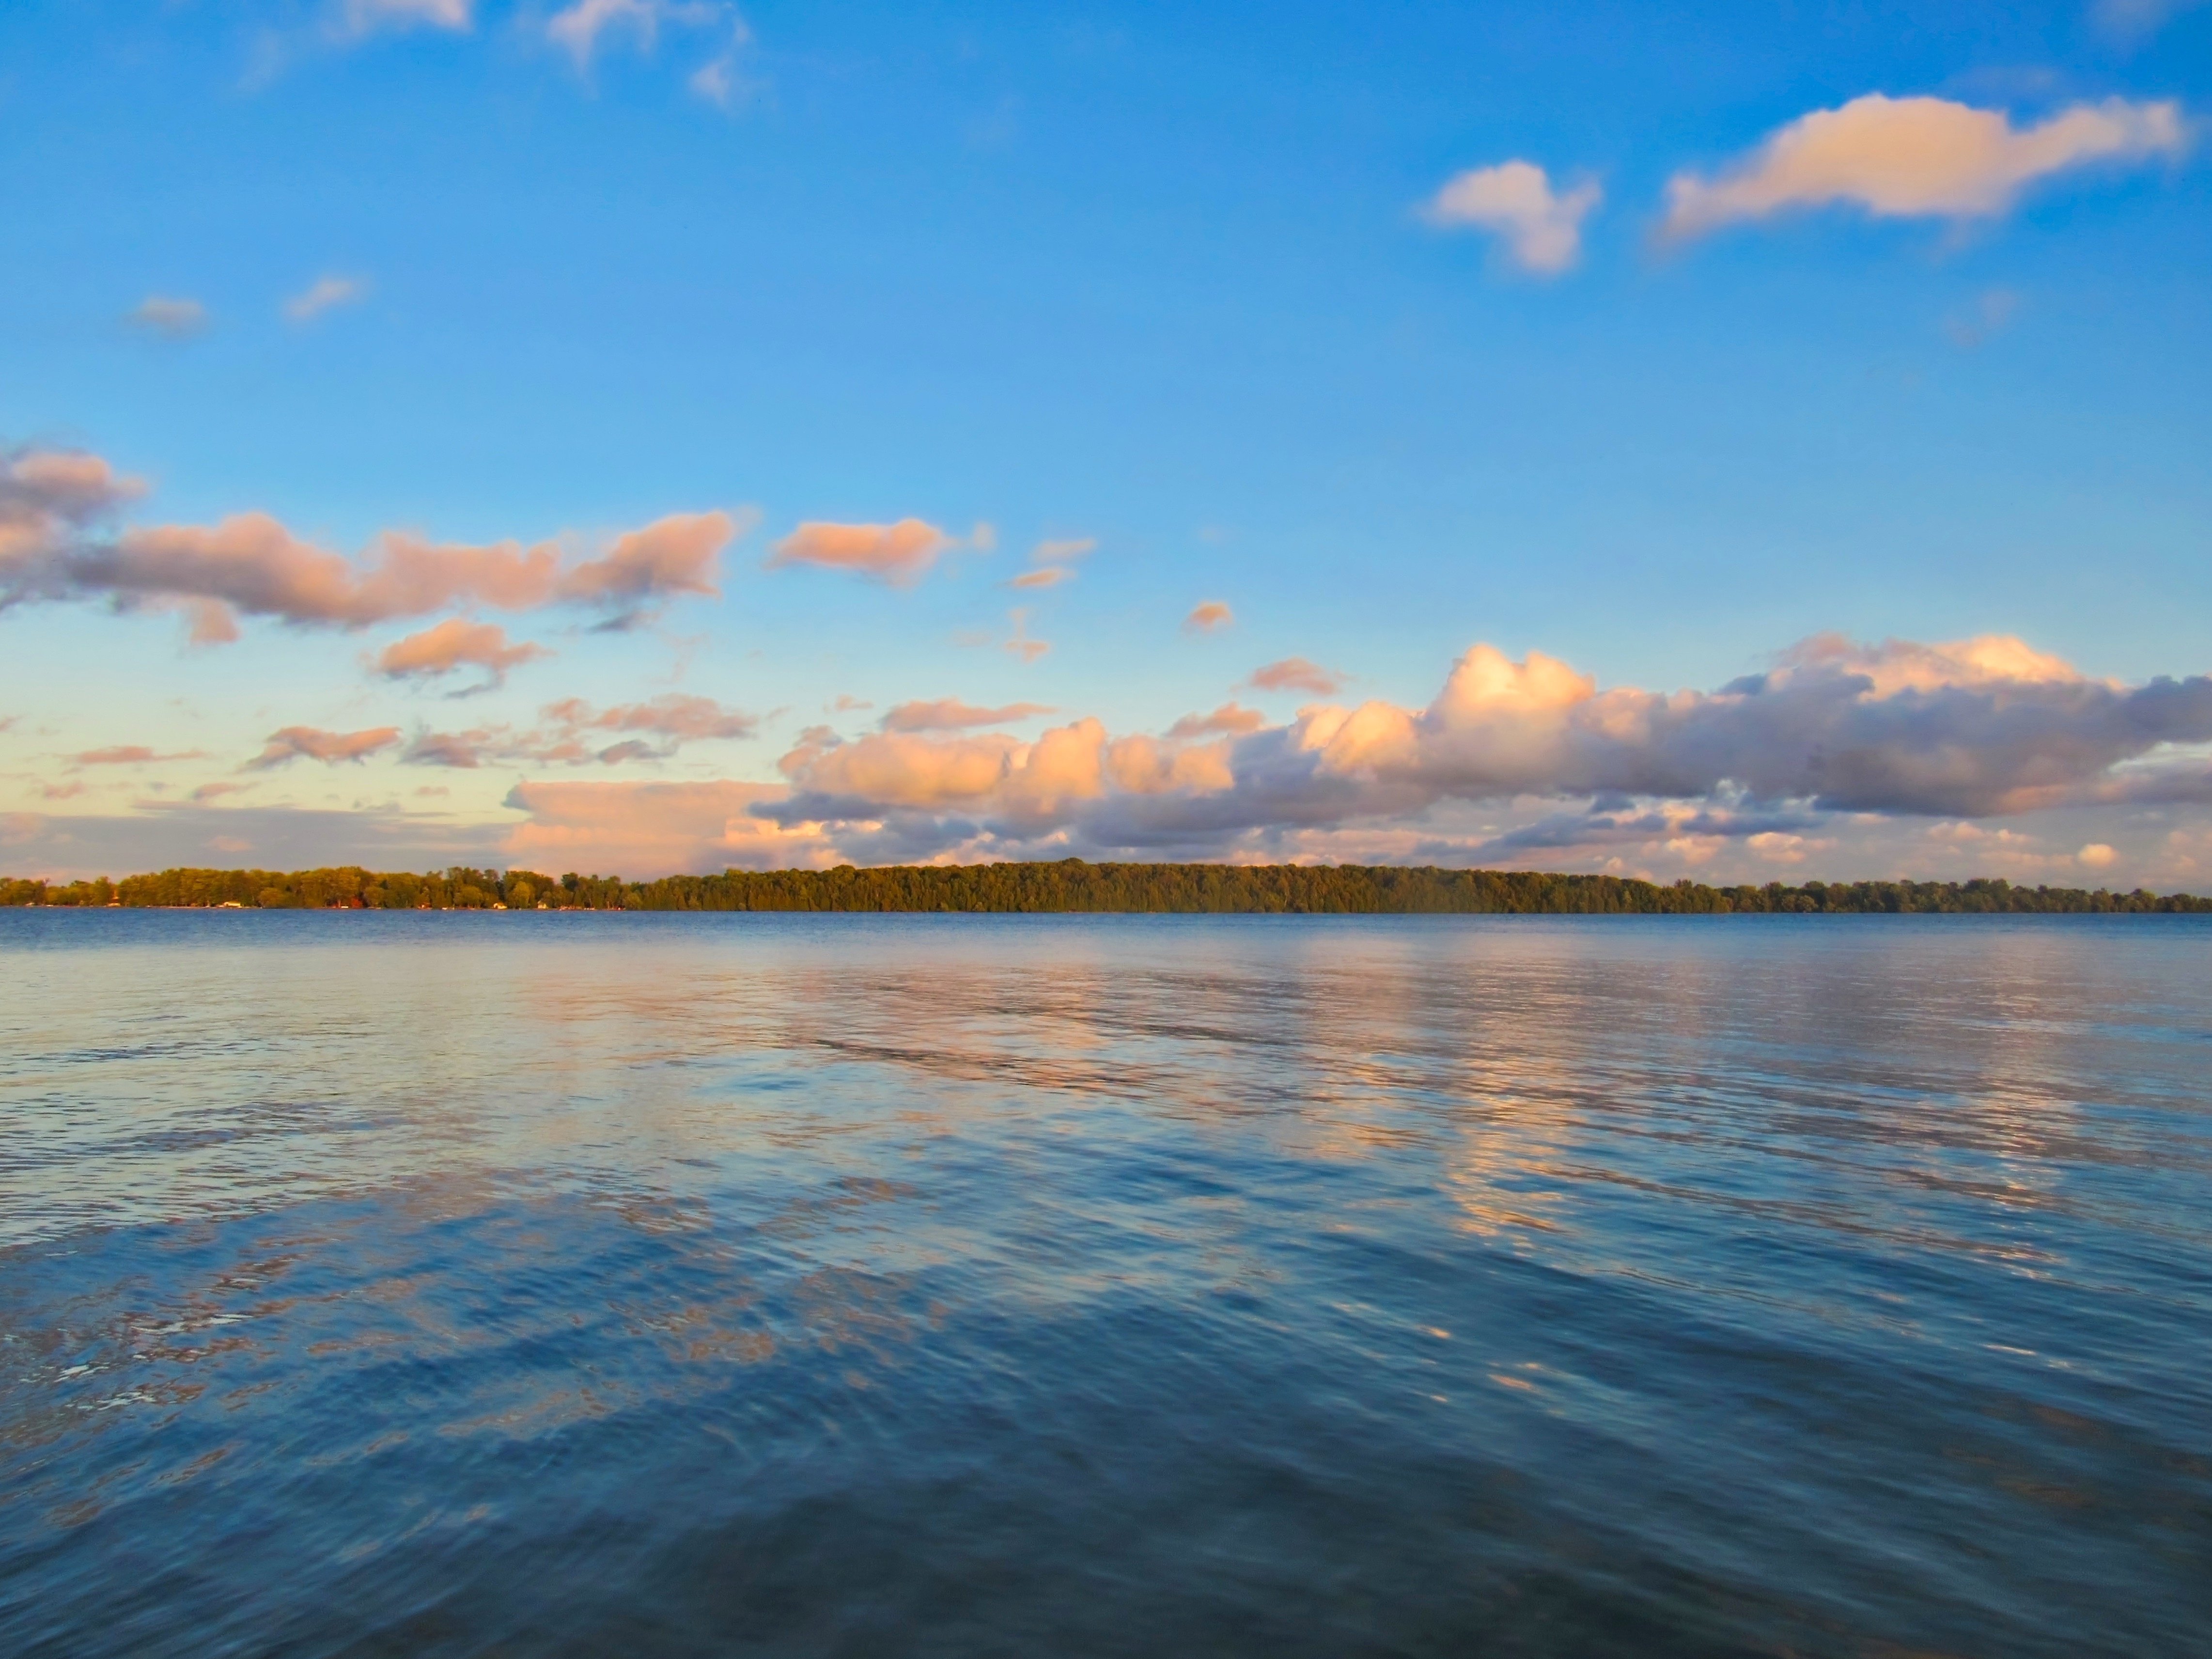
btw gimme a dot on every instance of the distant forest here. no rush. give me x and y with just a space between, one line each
1074 885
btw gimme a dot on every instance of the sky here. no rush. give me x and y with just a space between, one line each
1742 442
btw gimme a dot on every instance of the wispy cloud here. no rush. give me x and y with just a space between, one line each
310 743
131 754
572 733
1917 158
1296 674
951 715
325 294
1020 644
360 17
171 317
2130 21
1056 563
1207 616
1991 312
1541 227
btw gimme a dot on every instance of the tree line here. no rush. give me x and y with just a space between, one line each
1070 884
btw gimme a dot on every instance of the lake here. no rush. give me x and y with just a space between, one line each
572 1283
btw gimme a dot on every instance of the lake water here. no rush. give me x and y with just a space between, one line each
635 1284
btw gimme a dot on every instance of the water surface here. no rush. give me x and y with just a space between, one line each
587 1284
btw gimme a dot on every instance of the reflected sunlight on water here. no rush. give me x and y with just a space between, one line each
587 1284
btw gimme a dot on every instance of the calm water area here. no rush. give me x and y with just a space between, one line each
476 1284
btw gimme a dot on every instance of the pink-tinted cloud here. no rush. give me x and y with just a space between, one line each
1836 732
49 498
672 556
653 828
1296 674
565 735
1229 721
53 505
455 643
951 715
1541 227
307 742
1050 575
673 715
1206 615
1918 157
898 553
129 754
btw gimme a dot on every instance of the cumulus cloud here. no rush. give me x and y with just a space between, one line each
1836 731
367 16
2097 855
455 643
50 498
325 294
1917 158
951 715
898 554
307 742
54 506
1541 227
1296 674
171 317
1206 615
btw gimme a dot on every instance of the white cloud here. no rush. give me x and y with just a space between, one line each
1541 227
325 294
1917 158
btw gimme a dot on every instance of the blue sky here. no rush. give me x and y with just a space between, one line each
1174 281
